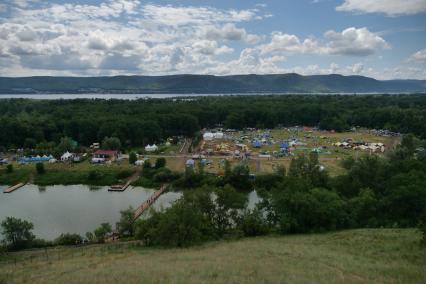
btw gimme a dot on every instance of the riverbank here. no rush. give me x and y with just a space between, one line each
352 256
68 174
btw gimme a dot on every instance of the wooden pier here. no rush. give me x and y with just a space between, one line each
119 187
144 206
13 188
123 187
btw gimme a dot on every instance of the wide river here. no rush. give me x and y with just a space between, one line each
141 96
77 208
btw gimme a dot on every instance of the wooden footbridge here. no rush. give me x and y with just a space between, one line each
144 206
13 188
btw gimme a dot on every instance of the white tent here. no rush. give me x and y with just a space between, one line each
66 156
218 135
150 148
208 136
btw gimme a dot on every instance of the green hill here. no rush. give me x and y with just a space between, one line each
187 84
354 256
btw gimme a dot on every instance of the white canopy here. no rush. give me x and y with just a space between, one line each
150 148
66 156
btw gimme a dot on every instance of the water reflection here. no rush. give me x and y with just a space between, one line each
78 208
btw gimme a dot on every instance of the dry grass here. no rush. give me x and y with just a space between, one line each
355 256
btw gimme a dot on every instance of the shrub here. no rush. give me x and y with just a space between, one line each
164 175
160 163
9 169
422 228
40 168
132 158
94 175
68 239
102 232
253 224
124 174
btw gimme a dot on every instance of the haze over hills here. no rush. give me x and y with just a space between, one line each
202 84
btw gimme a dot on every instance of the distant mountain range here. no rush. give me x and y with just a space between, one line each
205 84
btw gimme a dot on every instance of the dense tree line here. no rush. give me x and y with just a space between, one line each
31 123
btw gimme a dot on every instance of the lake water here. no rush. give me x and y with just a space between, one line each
74 209
77 208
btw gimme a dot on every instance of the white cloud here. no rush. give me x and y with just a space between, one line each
23 3
388 7
230 32
128 37
357 68
209 47
179 16
250 61
351 41
119 35
419 56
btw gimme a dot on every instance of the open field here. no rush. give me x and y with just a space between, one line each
353 256
329 157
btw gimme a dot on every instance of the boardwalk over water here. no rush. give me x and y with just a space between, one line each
123 187
13 188
144 206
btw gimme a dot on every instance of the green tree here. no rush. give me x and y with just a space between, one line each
40 168
111 143
160 163
253 223
68 239
181 225
132 158
102 232
229 203
66 144
90 237
17 233
126 225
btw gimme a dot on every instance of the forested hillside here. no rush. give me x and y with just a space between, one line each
280 83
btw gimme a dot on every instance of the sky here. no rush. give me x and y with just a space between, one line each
383 39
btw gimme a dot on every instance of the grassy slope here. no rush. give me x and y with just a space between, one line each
355 256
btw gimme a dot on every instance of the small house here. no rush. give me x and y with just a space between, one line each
105 155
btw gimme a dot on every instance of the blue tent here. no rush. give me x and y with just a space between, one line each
35 159
256 144
284 146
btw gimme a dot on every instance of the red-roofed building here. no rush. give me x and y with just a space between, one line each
106 154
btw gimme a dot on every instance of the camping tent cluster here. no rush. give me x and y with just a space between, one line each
209 136
37 158
372 147
151 148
